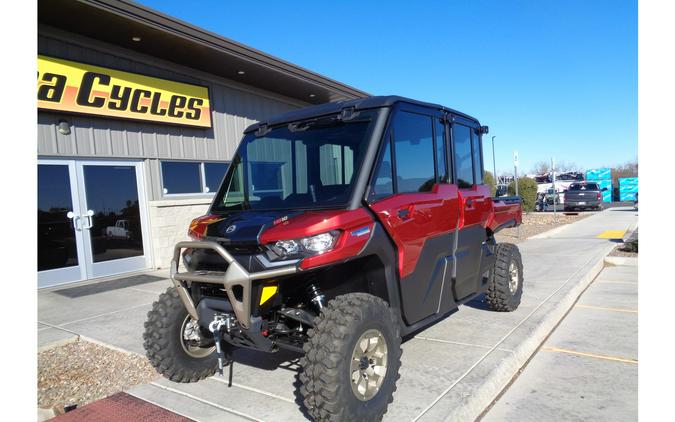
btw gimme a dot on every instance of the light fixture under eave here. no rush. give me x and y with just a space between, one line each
63 127
136 39
312 95
240 72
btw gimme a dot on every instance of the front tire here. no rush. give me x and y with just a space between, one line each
505 282
352 358
176 357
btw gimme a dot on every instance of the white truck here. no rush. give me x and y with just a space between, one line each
119 231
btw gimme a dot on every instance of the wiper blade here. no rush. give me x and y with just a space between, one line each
323 122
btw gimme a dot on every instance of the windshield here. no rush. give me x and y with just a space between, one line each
310 164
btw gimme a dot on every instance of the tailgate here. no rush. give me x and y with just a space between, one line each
508 212
576 196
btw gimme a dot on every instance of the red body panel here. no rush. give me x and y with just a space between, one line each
429 214
476 204
317 222
504 212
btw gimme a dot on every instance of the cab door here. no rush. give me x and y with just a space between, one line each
475 203
417 206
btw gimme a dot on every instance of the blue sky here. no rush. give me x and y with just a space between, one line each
550 78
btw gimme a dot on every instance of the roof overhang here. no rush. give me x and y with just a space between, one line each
118 21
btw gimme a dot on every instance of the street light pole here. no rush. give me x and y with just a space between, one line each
494 163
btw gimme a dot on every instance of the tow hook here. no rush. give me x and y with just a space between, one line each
216 327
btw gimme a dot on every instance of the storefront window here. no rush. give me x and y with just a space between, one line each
213 175
190 177
181 177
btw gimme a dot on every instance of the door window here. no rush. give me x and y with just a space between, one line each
477 158
439 134
383 185
414 153
461 138
115 221
56 234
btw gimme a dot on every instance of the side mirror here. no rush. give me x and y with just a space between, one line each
484 130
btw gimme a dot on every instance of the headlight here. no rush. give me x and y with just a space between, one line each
320 243
306 246
286 247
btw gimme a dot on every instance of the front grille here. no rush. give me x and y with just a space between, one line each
243 249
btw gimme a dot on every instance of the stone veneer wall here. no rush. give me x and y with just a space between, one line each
169 221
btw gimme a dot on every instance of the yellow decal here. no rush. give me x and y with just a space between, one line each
81 88
267 292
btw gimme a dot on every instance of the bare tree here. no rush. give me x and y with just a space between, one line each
541 167
628 169
564 167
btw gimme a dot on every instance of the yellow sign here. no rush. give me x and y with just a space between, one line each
81 88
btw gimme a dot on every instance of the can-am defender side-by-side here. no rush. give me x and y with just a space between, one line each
337 230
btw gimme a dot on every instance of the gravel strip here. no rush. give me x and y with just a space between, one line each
538 222
82 372
618 251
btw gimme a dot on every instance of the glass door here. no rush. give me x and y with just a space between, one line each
59 226
91 220
113 217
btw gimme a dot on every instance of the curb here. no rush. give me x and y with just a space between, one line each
465 402
621 261
549 233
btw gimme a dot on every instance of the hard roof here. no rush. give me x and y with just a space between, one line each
118 21
357 104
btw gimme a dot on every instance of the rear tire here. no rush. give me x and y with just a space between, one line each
165 347
333 374
505 282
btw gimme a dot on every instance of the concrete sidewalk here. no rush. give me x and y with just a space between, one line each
587 369
452 370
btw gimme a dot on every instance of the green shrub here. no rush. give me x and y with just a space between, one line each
527 190
489 179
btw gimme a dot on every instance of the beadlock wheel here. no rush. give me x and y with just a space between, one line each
190 339
513 277
505 279
369 364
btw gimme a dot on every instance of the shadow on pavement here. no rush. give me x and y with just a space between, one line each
283 359
106 286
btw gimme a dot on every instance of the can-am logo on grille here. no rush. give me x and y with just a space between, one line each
231 229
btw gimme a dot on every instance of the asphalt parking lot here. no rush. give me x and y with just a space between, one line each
452 370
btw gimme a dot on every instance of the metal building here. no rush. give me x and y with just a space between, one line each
138 116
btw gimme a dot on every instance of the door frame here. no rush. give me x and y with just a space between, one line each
122 265
88 269
49 278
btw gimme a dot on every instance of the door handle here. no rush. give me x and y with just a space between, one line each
77 225
404 213
469 203
90 219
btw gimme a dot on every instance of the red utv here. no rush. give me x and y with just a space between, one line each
337 230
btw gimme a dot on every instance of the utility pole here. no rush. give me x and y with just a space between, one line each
515 181
494 163
515 170
555 192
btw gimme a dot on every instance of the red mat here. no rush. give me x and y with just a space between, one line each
120 407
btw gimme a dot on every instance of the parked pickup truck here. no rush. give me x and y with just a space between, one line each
373 223
583 195
120 230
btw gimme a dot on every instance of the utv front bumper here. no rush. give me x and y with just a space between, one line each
234 276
